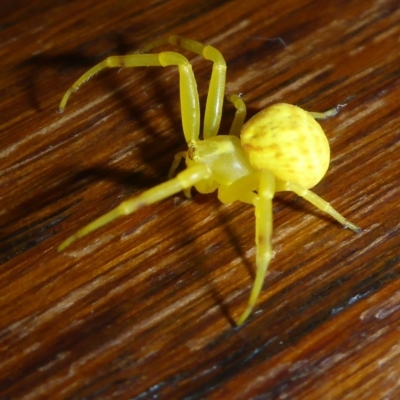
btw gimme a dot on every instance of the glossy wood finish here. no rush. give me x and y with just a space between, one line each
145 307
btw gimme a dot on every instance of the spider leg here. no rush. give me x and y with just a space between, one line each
322 205
240 114
240 190
175 164
263 210
190 108
216 90
326 114
183 180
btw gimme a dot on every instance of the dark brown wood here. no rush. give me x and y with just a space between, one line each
144 308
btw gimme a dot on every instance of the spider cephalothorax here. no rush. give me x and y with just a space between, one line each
282 148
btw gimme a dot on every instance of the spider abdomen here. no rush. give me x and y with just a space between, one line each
287 141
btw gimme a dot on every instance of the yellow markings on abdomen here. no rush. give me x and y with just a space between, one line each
287 141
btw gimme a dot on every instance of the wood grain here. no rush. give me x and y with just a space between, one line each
144 308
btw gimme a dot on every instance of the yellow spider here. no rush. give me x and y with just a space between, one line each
282 148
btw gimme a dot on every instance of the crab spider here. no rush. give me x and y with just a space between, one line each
282 148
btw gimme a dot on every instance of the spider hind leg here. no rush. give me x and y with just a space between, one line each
322 205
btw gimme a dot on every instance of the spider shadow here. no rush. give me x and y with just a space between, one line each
156 80
36 67
29 212
226 222
200 269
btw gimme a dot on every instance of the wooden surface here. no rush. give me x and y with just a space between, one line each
144 308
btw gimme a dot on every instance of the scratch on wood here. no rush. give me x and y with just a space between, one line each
383 309
230 32
293 87
349 119
386 34
98 242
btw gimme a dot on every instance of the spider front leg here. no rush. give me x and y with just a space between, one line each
184 180
190 109
216 90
